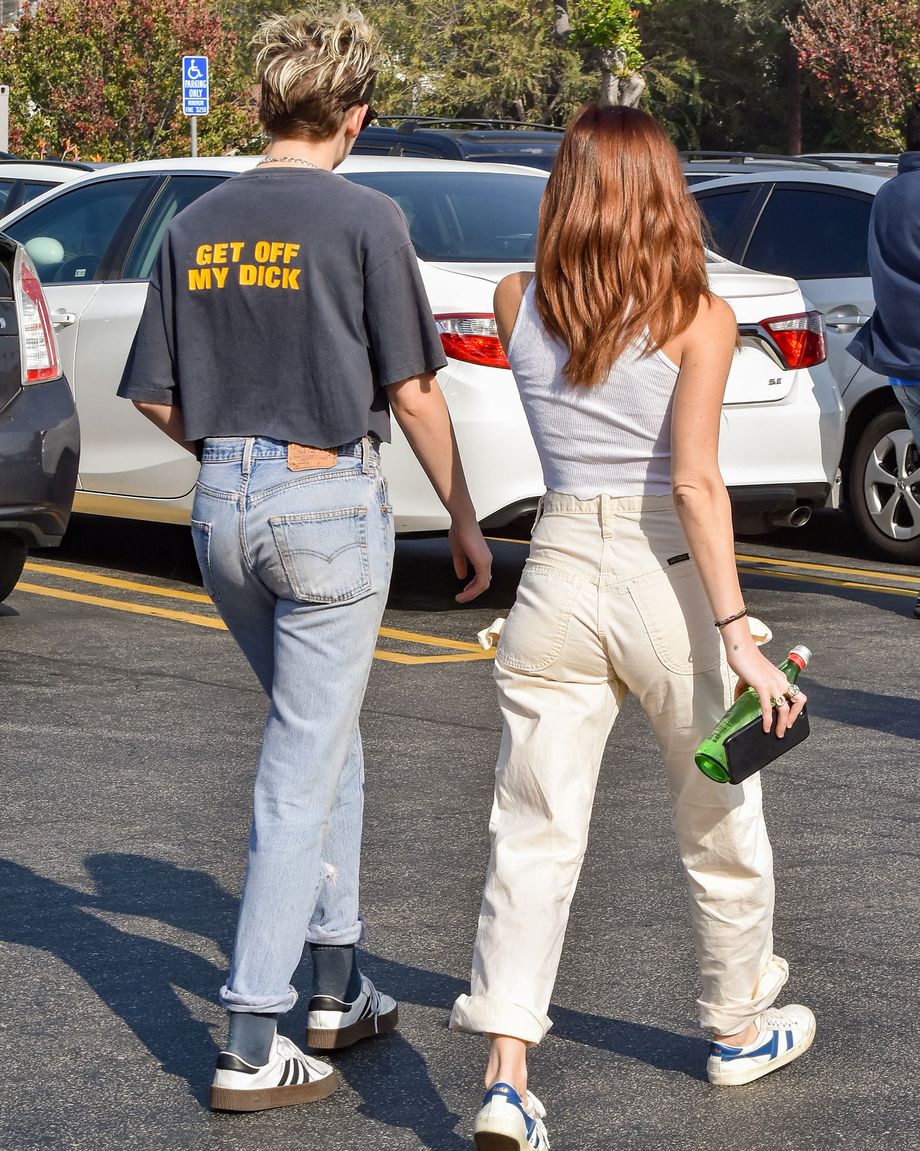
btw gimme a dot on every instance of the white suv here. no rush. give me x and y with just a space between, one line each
95 243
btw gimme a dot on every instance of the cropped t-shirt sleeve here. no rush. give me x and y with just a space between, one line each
149 374
403 338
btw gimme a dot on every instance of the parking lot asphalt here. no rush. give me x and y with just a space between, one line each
129 732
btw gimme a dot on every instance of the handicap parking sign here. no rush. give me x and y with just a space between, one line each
195 85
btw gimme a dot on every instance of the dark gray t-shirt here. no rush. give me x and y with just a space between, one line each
283 303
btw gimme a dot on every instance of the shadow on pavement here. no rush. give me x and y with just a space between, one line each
890 714
137 977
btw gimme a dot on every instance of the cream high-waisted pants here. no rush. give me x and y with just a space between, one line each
609 602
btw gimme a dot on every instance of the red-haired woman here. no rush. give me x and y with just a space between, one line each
621 355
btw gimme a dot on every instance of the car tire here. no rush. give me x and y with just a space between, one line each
12 561
887 514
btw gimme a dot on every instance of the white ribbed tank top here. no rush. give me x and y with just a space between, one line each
611 439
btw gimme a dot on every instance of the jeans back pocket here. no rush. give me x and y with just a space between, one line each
324 554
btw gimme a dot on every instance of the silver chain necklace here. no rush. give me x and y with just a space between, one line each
289 160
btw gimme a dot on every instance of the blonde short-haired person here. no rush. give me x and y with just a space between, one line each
621 355
285 320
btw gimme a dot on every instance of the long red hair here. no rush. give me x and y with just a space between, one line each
620 254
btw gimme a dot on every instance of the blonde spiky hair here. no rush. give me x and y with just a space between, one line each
311 66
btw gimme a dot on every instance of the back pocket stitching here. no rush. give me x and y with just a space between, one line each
287 552
562 626
674 577
207 575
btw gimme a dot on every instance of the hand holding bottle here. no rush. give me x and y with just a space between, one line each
769 683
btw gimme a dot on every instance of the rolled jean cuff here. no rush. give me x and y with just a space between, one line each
733 1016
483 1015
258 1005
317 935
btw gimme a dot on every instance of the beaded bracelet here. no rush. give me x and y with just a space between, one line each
720 623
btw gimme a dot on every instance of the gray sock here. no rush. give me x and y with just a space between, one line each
335 972
251 1036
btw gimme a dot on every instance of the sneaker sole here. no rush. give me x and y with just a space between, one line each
723 1080
226 1099
334 1038
492 1141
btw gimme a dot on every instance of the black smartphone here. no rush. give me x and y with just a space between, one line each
750 747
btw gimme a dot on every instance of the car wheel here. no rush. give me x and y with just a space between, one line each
883 487
12 559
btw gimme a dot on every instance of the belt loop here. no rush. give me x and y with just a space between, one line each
606 510
538 513
366 455
247 454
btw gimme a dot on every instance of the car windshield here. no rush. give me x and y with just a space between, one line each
477 217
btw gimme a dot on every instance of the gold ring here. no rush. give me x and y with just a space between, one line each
792 691
778 702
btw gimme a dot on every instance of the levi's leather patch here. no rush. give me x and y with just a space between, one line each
302 457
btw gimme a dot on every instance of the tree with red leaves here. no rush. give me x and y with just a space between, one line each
867 54
102 78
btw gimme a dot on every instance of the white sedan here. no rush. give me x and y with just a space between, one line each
95 242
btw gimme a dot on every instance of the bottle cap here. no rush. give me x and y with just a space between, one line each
800 654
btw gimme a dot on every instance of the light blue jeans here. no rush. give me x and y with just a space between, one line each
298 564
908 394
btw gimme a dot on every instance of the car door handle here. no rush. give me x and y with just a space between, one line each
843 320
62 319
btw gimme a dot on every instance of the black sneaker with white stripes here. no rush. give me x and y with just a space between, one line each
332 1023
288 1077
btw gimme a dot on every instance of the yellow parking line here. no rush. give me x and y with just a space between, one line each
431 640
111 581
124 605
199 597
461 652
911 579
828 580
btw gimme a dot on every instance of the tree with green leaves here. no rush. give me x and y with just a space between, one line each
102 78
606 33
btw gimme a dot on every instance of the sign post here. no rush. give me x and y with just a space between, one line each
194 92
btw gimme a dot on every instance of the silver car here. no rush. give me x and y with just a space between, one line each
814 226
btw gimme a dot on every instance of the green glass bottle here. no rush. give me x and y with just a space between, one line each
710 756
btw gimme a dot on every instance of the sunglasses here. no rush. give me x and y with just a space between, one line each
370 114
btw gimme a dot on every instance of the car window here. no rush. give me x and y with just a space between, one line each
488 217
178 193
6 187
811 234
33 188
724 212
68 237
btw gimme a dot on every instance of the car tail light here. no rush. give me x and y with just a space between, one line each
801 339
40 360
473 338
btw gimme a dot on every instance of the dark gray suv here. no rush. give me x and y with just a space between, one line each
39 434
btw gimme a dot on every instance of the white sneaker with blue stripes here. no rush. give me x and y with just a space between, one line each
784 1034
506 1123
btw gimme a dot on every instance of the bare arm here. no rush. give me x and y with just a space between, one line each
421 412
168 418
705 352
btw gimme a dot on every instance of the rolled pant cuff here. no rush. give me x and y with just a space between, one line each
317 935
258 1004
484 1015
731 1017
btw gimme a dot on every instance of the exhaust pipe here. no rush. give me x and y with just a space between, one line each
797 518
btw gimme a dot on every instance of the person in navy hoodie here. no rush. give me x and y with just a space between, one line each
890 342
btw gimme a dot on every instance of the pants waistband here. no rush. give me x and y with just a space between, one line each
228 449
611 505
